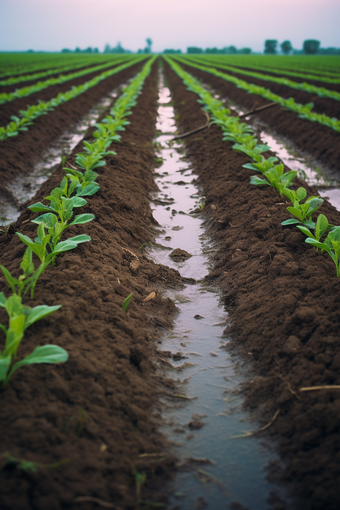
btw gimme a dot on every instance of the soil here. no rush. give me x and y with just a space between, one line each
283 297
319 141
28 83
20 153
14 107
316 82
90 423
322 105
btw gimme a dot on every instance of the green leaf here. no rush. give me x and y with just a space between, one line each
39 207
4 366
80 239
126 302
63 246
38 249
78 202
50 219
89 190
45 354
296 212
291 221
317 244
258 181
2 300
27 265
306 231
80 219
301 194
10 280
321 226
39 312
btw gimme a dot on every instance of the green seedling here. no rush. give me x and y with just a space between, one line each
30 466
261 166
321 227
20 318
302 212
331 245
126 302
275 178
140 479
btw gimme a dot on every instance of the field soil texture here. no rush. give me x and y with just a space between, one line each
321 142
283 296
90 423
20 153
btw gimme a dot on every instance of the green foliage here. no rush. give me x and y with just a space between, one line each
286 47
311 46
270 46
126 302
20 318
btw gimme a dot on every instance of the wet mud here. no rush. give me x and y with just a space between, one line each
283 299
91 423
20 153
319 141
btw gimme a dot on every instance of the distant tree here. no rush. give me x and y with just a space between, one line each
172 51
77 50
107 48
194 49
270 46
230 50
329 51
311 46
148 47
66 50
244 51
286 47
95 50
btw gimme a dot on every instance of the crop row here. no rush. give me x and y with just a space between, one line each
34 111
314 65
24 64
35 76
252 64
244 141
56 218
306 87
41 85
303 111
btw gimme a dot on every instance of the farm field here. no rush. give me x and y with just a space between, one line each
94 421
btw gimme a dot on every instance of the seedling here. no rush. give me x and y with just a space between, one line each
331 245
303 212
20 318
126 302
276 178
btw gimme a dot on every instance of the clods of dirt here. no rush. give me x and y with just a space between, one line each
179 255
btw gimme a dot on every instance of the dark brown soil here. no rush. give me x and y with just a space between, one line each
319 141
322 105
97 411
20 153
14 107
28 83
316 82
284 301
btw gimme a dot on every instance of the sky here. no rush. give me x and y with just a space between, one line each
51 25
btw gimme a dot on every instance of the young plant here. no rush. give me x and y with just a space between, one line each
275 178
302 212
20 318
331 245
126 302
321 227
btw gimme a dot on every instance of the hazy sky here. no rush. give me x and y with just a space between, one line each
55 24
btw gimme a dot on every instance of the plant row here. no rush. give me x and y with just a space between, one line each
34 111
57 217
306 87
251 64
6 97
303 111
322 235
22 63
294 64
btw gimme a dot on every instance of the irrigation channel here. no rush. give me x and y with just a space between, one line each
312 172
223 468
26 186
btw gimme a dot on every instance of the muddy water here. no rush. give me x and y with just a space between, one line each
216 468
314 173
25 187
